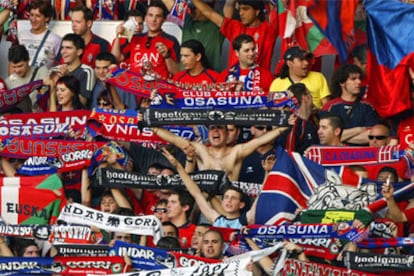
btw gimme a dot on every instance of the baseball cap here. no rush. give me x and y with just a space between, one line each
296 52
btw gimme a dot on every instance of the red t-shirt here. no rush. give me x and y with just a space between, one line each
206 77
185 233
264 35
405 132
143 48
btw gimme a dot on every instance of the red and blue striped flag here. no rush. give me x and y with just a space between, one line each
390 31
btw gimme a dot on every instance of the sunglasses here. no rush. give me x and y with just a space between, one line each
160 210
379 137
268 128
148 43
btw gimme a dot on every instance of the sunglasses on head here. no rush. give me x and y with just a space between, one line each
263 127
379 137
160 210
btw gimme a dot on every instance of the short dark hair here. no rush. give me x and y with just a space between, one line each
159 4
135 12
185 198
168 243
238 190
341 75
87 13
335 121
76 39
360 52
18 53
44 7
390 170
240 39
107 56
169 223
298 90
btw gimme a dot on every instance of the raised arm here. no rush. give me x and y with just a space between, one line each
249 147
169 4
192 188
394 212
171 137
208 12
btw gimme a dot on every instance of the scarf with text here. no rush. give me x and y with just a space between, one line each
44 125
233 268
124 125
142 257
27 265
250 189
307 231
92 250
160 117
140 225
64 155
295 267
344 156
13 96
378 263
210 181
207 99
86 265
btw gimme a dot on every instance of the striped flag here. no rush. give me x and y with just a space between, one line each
390 31
31 200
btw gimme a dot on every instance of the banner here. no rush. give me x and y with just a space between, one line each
76 213
160 117
210 181
250 189
27 265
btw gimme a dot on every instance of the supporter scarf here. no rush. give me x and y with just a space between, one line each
400 194
378 263
27 265
307 231
69 155
142 257
207 99
135 83
185 260
159 117
282 99
140 225
331 216
92 250
322 248
53 233
251 81
250 189
13 96
44 125
210 181
103 265
380 229
385 243
344 156
124 125
257 255
295 267
178 12
235 267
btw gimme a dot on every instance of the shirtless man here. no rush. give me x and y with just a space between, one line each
219 156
